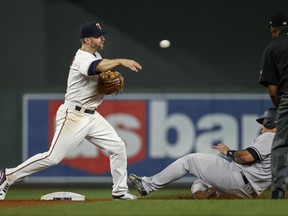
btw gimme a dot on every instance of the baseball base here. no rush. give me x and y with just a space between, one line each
63 195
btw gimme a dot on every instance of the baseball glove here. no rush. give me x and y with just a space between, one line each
110 82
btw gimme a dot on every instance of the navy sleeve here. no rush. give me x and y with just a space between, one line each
254 153
92 68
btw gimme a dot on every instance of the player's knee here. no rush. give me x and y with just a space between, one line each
185 161
120 150
187 157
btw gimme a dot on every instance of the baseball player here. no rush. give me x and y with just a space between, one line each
77 118
245 175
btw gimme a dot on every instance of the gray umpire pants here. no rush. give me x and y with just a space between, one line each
279 151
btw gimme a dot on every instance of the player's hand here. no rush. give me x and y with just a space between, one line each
131 64
222 148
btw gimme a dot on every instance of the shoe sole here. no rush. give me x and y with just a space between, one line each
117 199
4 191
4 185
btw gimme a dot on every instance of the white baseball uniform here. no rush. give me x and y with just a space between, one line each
76 120
244 181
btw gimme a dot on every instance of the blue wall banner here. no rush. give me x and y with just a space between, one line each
157 129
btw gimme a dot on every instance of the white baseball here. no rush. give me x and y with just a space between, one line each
164 44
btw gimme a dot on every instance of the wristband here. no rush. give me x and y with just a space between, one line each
231 154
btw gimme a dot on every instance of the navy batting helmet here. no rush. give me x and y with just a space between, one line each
269 118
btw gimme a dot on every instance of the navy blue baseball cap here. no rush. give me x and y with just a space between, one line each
91 29
279 18
269 118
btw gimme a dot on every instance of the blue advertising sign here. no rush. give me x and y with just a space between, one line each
157 128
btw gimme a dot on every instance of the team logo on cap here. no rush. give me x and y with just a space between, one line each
98 26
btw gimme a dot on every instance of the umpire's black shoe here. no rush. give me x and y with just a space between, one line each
137 183
277 194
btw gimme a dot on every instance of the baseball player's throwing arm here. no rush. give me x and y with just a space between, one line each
108 64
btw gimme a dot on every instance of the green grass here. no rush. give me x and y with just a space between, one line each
168 201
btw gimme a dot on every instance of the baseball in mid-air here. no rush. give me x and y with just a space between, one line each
164 43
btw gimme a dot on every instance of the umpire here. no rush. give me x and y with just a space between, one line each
274 76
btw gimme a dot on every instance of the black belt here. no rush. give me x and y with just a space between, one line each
78 108
244 178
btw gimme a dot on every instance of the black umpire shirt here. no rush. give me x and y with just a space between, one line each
275 63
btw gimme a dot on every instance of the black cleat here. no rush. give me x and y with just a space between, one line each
137 183
277 194
4 186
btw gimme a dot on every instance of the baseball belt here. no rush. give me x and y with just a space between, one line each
78 108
